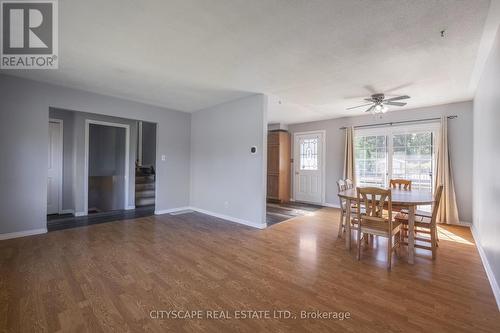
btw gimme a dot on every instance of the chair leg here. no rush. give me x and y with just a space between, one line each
341 223
389 252
359 242
433 242
437 237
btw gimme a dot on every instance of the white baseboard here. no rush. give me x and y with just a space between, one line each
67 211
331 205
220 216
78 214
489 272
230 218
23 233
171 210
130 207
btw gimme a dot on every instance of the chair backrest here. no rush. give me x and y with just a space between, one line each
374 200
437 201
348 183
341 186
401 184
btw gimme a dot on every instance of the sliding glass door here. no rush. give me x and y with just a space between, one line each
405 152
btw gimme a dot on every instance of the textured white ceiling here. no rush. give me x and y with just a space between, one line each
317 57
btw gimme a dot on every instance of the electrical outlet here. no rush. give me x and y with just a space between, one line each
163 158
226 204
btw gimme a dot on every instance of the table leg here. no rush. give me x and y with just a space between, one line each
411 234
348 225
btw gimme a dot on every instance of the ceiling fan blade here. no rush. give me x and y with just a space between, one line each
355 107
370 108
370 100
395 103
397 98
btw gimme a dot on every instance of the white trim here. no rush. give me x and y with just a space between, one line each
489 272
78 214
465 224
171 210
220 216
23 233
130 207
86 164
61 161
323 163
67 211
230 218
331 205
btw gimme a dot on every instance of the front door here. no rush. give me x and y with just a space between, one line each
55 165
308 165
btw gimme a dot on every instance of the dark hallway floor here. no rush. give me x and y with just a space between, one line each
277 213
66 221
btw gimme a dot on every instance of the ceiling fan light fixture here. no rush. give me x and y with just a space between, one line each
379 103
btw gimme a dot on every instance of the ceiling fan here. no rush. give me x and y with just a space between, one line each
378 103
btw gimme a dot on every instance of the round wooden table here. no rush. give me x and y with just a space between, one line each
407 198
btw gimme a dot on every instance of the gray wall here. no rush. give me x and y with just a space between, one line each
487 160
225 177
460 139
24 117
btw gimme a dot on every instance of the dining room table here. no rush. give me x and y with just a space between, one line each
408 199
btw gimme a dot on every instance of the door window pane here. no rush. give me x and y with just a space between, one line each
309 154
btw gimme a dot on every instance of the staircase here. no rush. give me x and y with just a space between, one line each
144 186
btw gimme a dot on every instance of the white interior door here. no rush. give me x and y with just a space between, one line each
308 165
55 167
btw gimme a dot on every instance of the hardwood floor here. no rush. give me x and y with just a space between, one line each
109 277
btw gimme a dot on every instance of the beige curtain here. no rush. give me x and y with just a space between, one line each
448 212
349 155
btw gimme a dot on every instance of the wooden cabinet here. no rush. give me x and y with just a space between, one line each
278 166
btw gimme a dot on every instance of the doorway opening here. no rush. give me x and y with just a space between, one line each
107 164
145 171
54 173
101 168
281 170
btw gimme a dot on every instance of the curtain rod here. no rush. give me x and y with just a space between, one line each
400 122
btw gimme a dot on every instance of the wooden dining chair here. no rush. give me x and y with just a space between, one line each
423 224
401 184
348 183
375 221
342 186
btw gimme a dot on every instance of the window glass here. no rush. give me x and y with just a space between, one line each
309 154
